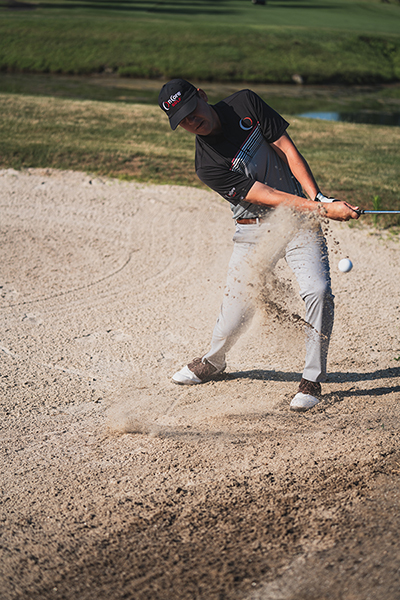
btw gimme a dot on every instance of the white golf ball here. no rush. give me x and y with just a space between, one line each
345 265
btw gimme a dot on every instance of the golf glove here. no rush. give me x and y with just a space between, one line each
321 198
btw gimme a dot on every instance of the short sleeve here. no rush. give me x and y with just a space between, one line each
231 185
273 126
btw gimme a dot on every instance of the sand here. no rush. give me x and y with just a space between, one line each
118 484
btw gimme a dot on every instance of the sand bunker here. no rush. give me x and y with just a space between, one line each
117 483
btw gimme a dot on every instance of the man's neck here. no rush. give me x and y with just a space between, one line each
217 128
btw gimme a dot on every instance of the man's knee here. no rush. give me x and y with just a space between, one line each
320 293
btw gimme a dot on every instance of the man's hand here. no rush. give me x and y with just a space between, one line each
340 211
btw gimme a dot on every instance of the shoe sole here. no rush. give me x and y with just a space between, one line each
186 382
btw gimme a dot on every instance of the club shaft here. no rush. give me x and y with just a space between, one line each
379 212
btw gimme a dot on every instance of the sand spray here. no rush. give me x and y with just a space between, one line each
277 304
274 295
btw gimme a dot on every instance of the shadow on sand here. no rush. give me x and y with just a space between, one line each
335 376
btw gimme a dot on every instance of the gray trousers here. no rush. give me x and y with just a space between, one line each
307 256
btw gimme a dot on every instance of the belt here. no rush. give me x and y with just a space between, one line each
253 221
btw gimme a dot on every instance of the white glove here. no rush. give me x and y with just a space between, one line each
321 198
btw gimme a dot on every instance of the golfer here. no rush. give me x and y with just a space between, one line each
244 154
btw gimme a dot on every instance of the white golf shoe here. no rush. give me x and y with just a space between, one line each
302 402
308 396
198 371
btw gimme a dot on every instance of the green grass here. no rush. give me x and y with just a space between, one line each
366 16
134 141
223 40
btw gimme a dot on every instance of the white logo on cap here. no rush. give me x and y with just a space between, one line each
171 101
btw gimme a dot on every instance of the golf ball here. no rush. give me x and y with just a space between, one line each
345 265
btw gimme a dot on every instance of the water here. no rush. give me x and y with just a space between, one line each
370 117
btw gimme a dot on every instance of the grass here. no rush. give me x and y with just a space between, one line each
108 139
366 16
376 205
134 141
325 41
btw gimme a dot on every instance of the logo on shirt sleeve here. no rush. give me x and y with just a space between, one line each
246 124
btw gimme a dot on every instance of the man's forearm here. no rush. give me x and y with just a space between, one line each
263 195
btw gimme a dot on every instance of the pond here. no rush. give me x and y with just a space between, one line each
369 117
377 105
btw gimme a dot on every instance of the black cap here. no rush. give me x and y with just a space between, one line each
178 98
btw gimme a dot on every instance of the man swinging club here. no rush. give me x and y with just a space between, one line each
244 153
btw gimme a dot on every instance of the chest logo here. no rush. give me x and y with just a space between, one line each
246 124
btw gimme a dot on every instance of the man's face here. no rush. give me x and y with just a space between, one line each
203 120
